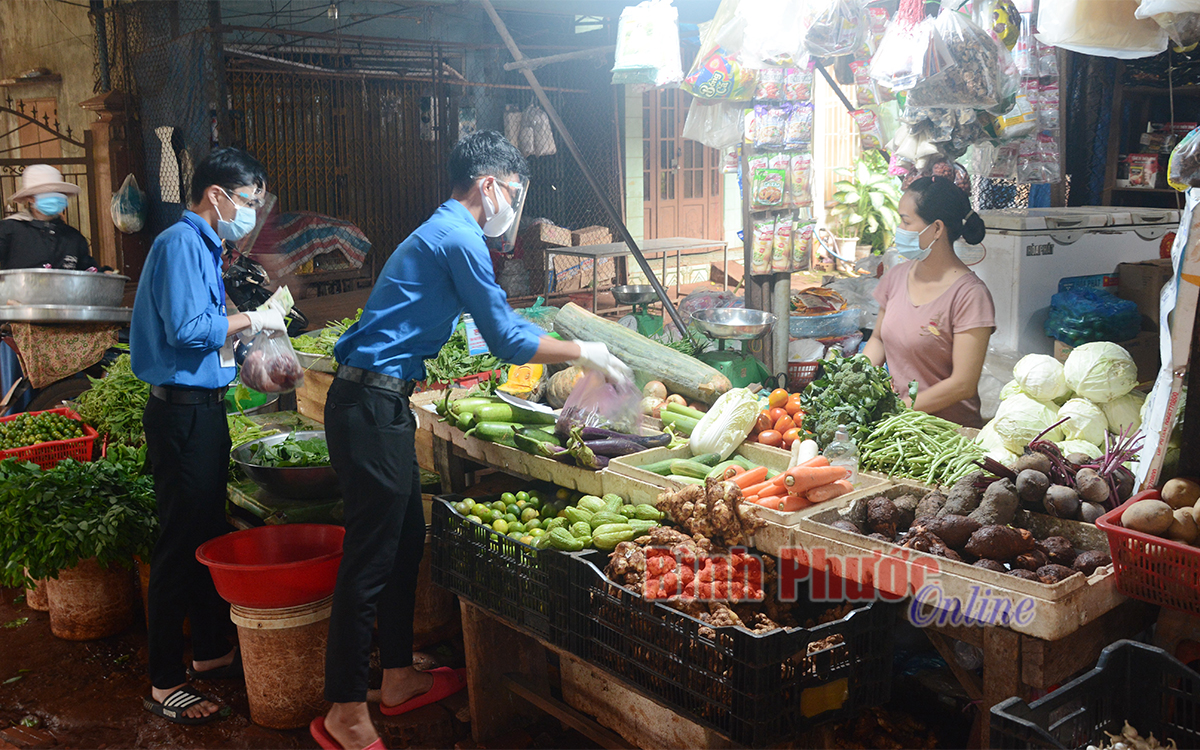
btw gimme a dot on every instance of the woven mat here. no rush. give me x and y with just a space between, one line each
52 352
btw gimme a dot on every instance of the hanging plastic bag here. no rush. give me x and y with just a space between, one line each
648 45
908 54
269 364
975 80
1106 28
839 27
1179 18
1183 169
128 207
595 402
537 135
718 71
717 125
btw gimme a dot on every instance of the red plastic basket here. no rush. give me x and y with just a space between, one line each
1151 568
47 455
800 374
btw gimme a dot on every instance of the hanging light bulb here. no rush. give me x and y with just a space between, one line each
333 11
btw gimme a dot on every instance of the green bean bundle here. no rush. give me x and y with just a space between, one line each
919 446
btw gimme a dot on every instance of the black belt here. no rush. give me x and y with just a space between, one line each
192 396
377 380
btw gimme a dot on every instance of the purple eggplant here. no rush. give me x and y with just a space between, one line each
613 447
657 440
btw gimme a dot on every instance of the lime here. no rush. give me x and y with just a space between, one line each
508 497
518 526
523 495
476 519
515 536
533 523
513 509
510 517
535 501
500 525
499 505
529 514
563 494
536 532
522 504
527 539
463 507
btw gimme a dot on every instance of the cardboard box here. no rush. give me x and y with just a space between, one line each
572 274
543 234
1143 349
1143 171
1142 283
591 236
1106 281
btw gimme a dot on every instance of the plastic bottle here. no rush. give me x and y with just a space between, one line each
843 452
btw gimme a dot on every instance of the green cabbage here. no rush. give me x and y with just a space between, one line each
1020 419
1040 377
1085 421
1124 412
726 424
991 442
1100 371
1011 388
1080 446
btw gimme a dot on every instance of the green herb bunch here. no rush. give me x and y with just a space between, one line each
852 392
456 361
115 402
322 344
50 520
292 452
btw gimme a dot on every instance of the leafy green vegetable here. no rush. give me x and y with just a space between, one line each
14 624
114 404
852 392
291 453
322 344
455 360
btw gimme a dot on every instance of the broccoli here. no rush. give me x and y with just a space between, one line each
854 383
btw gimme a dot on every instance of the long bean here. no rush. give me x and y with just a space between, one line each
919 446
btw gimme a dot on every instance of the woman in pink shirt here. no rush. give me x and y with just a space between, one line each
935 315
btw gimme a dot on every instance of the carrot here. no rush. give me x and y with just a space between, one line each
750 499
732 472
814 462
750 477
775 490
802 478
829 491
792 503
756 489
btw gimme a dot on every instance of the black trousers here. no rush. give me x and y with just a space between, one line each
188 451
370 432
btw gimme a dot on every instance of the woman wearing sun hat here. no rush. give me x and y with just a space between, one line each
36 236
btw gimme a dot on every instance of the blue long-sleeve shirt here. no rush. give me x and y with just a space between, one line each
179 321
439 271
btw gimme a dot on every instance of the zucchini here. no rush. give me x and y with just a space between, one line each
662 468
685 468
718 471
540 435
681 374
509 413
744 462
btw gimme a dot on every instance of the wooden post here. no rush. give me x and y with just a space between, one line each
112 158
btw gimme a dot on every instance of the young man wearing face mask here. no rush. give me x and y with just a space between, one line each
36 236
440 271
180 342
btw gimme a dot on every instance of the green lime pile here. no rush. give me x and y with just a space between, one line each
29 429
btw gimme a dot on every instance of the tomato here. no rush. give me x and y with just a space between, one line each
793 406
776 413
777 398
770 437
792 436
783 425
764 422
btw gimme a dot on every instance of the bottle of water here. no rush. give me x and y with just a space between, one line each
843 452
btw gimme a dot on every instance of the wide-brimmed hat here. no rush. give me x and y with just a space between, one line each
42 178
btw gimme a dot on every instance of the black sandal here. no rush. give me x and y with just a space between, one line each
173 706
231 671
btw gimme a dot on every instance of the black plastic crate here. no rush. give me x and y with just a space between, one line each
528 587
1132 682
756 689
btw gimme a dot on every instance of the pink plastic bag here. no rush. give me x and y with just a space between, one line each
269 364
595 402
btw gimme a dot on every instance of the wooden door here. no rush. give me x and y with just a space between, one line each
683 187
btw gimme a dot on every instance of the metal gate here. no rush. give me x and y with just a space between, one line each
353 148
81 210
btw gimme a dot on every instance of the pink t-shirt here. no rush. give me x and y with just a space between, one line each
919 340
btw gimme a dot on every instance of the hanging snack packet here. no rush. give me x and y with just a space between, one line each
750 126
769 124
877 20
781 245
1047 61
798 84
762 247
800 179
799 126
732 159
1020 121
1183 168
770 84
869 131
720 75
766 184
1047 105
802 239
864 85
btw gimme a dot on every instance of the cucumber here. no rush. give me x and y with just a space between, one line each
744 462
708 459
540 435
718 471
686 468
684 480
495 432
662 468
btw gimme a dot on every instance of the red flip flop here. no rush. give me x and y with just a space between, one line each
325 739
446 682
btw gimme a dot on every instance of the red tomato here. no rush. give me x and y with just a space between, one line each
764 422
777 398
790 437
770 437
793 406
783 425
776 413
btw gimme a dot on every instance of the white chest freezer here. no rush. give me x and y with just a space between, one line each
1029 250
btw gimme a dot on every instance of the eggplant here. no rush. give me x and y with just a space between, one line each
613 447
657 440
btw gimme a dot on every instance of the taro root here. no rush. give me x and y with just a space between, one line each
963 497
999 504
923 541
1033 460
880 537
1031 560
1091 486
1028 575
1089 512
1031 486
999 542
992 565
1087 561
930 504
1054 573
856 513
1058 550
883 517
845 525
953 530
907 505
1062 502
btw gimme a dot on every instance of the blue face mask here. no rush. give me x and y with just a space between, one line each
908 244
50 204
242 224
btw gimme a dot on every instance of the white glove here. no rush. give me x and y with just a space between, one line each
281 300
268 320
594 355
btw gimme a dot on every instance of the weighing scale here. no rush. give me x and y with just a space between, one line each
734 324
638 296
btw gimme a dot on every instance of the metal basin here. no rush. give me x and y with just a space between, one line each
295 483
315 362
733 323
634 294
46 286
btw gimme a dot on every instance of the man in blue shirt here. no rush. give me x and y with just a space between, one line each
179 343
441 270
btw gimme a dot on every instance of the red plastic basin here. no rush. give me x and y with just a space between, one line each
272 567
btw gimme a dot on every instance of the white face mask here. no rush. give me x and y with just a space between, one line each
497 219
243 222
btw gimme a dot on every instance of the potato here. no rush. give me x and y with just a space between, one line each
1180 492
655 389
1148 517
992 565
1183 528
845 525
1058 550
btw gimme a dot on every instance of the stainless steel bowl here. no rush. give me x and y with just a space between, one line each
634 294
315 362
297 483
46 286
733 323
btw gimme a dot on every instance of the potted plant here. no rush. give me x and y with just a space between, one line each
79 526
867 205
